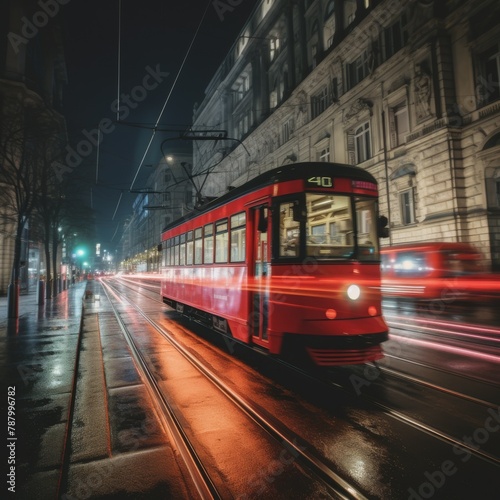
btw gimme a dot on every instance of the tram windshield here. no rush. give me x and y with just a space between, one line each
327 228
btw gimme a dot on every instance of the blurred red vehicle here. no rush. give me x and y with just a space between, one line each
436 270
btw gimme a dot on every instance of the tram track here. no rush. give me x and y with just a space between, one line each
197 471
453 441
409 378
404 376
416 423
305 453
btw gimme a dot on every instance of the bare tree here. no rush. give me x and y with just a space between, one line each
51 210
27 150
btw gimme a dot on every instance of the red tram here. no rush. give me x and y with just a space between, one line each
289 262
444 271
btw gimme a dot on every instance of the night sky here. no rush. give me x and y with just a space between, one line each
155 37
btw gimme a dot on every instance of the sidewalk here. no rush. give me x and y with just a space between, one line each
69 359
37 365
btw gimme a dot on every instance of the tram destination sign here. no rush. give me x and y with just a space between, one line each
326 182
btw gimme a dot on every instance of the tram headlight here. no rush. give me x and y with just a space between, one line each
353 292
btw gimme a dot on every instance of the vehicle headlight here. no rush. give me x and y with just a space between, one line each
353 292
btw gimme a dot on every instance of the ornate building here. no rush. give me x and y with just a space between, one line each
407 89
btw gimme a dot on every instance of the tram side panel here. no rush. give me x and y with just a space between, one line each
218 291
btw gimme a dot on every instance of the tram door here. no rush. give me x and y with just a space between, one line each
261 271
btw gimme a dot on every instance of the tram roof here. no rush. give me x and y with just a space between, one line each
288 172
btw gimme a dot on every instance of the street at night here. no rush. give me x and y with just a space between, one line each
250 249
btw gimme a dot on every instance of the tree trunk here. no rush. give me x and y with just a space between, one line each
13 292
48 269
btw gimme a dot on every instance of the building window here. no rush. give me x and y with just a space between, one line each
362 143
488 76
399 124
313 48
240 87
274 47
407 207
395 37
288 130
324 154
319 102
349 12
314 54
358 69
329 25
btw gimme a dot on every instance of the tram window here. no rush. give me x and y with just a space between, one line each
189 248
176 251
198 245
238 237
166 252
208 244
368 233
289 231
329 226
182 250
221 241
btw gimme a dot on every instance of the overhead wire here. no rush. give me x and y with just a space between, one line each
170 92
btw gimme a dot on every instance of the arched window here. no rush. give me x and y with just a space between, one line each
403 182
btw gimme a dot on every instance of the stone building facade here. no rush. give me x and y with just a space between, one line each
32 76
407 89
167 196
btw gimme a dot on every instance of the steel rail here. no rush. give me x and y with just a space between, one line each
291 441
406 419
201 479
